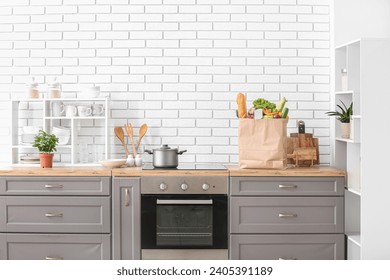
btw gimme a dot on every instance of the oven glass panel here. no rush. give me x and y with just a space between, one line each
184 225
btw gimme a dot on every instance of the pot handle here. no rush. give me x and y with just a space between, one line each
149 152
181 152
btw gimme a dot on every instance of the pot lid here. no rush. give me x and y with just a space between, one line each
165 148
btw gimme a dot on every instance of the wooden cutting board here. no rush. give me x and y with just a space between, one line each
302 140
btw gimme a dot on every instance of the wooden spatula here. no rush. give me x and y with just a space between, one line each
121 136
142 131
129 130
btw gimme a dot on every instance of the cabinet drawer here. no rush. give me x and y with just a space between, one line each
289 247
287 186
56 246
55 186
286 214
55 214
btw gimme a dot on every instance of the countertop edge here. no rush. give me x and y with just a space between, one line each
232 170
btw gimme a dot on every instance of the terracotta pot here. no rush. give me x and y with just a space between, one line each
46 160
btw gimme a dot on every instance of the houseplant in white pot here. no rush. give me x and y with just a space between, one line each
46 144
344 116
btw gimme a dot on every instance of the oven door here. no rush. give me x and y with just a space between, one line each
184 222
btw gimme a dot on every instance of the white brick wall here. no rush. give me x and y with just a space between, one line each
174 64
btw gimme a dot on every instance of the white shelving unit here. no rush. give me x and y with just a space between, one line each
364 156
66 154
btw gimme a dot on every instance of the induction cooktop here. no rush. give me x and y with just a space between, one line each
188 166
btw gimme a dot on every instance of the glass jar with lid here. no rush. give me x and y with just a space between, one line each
54 89
32 89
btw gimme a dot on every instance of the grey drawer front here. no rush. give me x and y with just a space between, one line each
55 214
286 215
55 185
58 246
283 246
287 186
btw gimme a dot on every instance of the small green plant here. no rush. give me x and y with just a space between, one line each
45 142
344 115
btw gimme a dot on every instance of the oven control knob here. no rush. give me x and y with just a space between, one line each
184 186
205 187
163 186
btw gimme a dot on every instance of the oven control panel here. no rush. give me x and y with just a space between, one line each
184 185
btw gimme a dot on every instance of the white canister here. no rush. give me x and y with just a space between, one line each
344 80
130 160
138 160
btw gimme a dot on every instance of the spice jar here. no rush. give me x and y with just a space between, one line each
32 89
54 89
344 80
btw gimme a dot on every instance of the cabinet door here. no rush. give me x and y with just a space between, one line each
56 246
287 186
92 186
126 213
287 247
3 246
286 214
60 214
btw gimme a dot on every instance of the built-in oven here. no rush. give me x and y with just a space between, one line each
184 217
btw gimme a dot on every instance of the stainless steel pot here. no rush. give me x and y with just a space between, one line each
165 157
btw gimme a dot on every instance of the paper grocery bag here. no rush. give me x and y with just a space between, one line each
262 143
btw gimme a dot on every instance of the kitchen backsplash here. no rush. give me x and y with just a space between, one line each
173 64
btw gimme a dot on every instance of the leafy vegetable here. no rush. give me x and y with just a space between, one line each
261 103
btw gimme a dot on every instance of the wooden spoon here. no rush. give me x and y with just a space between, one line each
129 130
142 131
121 136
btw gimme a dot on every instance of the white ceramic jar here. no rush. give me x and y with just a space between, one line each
138 160
130 160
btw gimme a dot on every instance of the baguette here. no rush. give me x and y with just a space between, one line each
241 104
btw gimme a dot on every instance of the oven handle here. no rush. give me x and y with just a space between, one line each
185 201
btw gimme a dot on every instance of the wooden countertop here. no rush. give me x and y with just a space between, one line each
83 171
137 171
235 171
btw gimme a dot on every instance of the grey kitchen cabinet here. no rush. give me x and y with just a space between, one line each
55 217
71 186
55 214
287 247
126 218
286 218
55 246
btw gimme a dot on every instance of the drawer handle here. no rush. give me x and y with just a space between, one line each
288 186
53 258
289 215
127 197
54 215
54 186
287 259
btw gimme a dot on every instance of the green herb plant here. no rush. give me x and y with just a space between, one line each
45 142
344 115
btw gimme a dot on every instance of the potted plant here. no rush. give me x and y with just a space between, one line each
46 144
344 116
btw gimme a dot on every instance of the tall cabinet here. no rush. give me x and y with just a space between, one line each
365 154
